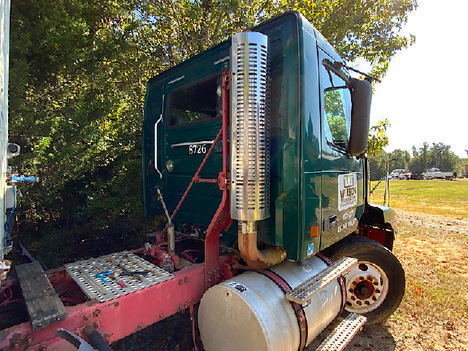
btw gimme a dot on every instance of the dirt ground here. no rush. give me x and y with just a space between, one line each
432 316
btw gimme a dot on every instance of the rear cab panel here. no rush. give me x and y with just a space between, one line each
188 97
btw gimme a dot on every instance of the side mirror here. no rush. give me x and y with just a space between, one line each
361 96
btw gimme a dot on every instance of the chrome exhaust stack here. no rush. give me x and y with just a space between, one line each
250 139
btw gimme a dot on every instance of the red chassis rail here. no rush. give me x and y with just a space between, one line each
130 313
120 317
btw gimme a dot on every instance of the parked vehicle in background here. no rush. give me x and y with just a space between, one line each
465 173
435 173
416 176
400 174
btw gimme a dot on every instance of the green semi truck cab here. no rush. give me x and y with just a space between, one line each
317 188
255 153
296 178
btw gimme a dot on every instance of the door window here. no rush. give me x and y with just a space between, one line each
337 108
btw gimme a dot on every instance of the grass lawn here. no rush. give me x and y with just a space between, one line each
433 197
434 312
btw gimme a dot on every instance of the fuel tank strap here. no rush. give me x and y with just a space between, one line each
340 280
298 310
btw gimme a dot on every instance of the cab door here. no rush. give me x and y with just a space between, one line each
342 175
193 119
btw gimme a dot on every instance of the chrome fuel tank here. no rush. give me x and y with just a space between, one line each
250 311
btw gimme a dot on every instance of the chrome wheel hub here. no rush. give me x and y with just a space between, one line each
366 286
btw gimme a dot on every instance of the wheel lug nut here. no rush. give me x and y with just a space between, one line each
376 283
367 303
377 291
359 303
353 298
351 290
374 298
361 278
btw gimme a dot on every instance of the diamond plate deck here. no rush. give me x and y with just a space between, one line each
306 290
84 274
343 333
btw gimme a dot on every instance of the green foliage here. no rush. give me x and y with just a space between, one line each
378 138
460 168
76 95
399 159
378 165
78 70
361 28
438 155
368 29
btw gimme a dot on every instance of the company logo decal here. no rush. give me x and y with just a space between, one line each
347 191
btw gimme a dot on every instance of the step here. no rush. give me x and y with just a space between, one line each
44 306
343 333
120 281
304 292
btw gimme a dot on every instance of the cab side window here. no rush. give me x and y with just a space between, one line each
195 102
337 108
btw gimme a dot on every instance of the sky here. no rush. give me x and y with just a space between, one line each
424 94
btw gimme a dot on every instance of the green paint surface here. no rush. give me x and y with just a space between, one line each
304 167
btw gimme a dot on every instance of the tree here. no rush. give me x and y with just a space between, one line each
443 157
76 96
378 138
368 29
378 165
377 141
399 159
439 156
383 161
420 161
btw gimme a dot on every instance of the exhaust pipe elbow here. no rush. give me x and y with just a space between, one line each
255 258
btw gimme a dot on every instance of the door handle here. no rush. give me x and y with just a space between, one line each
329 222
156 145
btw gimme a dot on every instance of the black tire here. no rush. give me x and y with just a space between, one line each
378 259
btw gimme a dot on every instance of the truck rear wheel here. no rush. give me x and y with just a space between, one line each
375 285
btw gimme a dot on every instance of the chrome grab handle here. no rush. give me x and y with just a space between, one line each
156 145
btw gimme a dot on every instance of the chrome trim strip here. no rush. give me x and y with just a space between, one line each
175 80
192 143
221 60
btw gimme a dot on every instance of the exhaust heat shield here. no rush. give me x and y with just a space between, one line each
250 158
